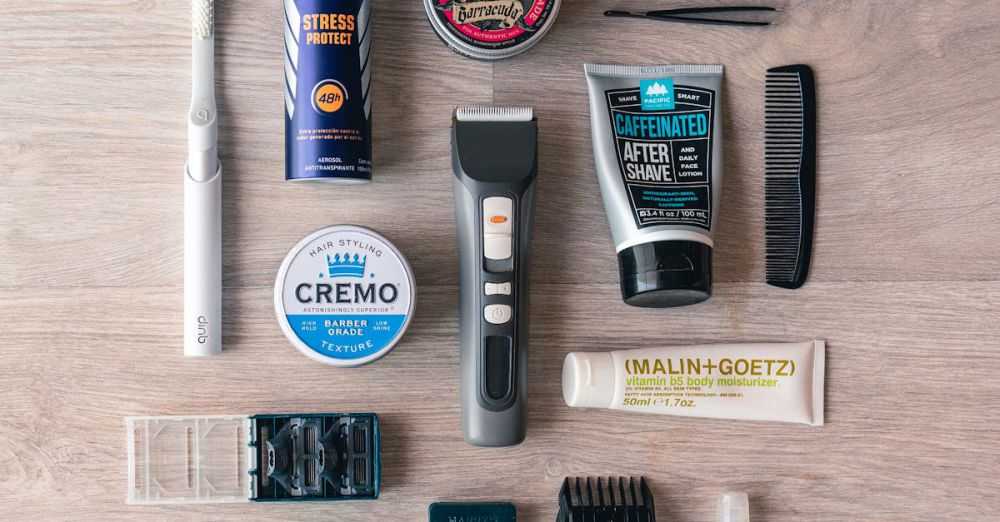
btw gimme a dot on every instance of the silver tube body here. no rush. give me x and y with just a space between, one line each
650 196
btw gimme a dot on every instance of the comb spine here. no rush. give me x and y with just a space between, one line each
807 180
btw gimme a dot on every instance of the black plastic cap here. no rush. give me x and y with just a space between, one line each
663 274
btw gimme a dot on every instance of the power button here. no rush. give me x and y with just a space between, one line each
497 313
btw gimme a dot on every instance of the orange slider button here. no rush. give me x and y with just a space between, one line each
498 219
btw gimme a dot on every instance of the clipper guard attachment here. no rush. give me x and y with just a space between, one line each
605 500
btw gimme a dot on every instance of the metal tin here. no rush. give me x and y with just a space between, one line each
344 295
328 100
491 29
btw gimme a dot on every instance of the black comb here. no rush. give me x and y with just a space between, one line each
789 173
605 500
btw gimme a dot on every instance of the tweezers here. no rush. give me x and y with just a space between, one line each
680 15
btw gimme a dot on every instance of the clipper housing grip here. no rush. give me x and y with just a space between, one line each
495 166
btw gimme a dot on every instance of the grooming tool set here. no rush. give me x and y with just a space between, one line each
606 500
789 173
203 195
494 152
239 458
345 295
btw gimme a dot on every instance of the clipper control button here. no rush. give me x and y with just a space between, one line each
497 314
498 228
497 247
498 289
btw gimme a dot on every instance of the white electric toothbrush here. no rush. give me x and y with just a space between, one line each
203 195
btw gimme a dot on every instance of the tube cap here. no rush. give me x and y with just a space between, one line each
588 380
662 274
734 506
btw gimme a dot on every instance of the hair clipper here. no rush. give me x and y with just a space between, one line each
495 160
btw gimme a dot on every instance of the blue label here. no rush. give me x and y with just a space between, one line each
657 95
346 336
344 294
328 99
663 140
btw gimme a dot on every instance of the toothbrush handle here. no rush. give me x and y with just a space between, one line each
203 264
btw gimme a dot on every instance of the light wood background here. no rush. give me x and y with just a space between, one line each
905 286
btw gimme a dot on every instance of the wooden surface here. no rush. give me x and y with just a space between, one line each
905 286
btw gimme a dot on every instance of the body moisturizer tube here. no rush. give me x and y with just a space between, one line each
770 382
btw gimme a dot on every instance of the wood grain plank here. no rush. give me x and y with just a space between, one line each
887 183
904 414
103 164
907 188
92 102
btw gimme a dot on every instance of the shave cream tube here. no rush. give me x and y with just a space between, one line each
657 134
767 382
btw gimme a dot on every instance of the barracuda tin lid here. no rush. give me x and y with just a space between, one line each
491 29
344 295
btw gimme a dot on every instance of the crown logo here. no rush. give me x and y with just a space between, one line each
345 266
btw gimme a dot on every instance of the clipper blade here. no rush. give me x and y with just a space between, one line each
487 113
605 500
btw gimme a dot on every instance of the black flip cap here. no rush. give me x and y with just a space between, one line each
664 274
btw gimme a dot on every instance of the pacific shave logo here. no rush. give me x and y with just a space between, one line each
657 95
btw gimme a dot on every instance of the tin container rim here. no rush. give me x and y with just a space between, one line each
466 49
279 304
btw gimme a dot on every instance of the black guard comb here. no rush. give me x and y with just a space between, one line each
605 500
789 173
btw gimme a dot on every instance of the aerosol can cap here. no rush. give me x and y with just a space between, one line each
588 379
734 506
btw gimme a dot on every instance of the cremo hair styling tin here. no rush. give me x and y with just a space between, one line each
491 29
344 295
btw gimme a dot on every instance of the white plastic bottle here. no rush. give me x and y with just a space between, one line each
772 382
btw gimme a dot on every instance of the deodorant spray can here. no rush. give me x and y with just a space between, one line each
328 99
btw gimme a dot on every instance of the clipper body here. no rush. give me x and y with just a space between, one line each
494 156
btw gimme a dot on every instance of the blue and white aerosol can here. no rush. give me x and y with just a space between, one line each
328 98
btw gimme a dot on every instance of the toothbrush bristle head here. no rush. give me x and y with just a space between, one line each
202 18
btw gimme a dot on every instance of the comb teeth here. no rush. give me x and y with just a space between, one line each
602 499
790 173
